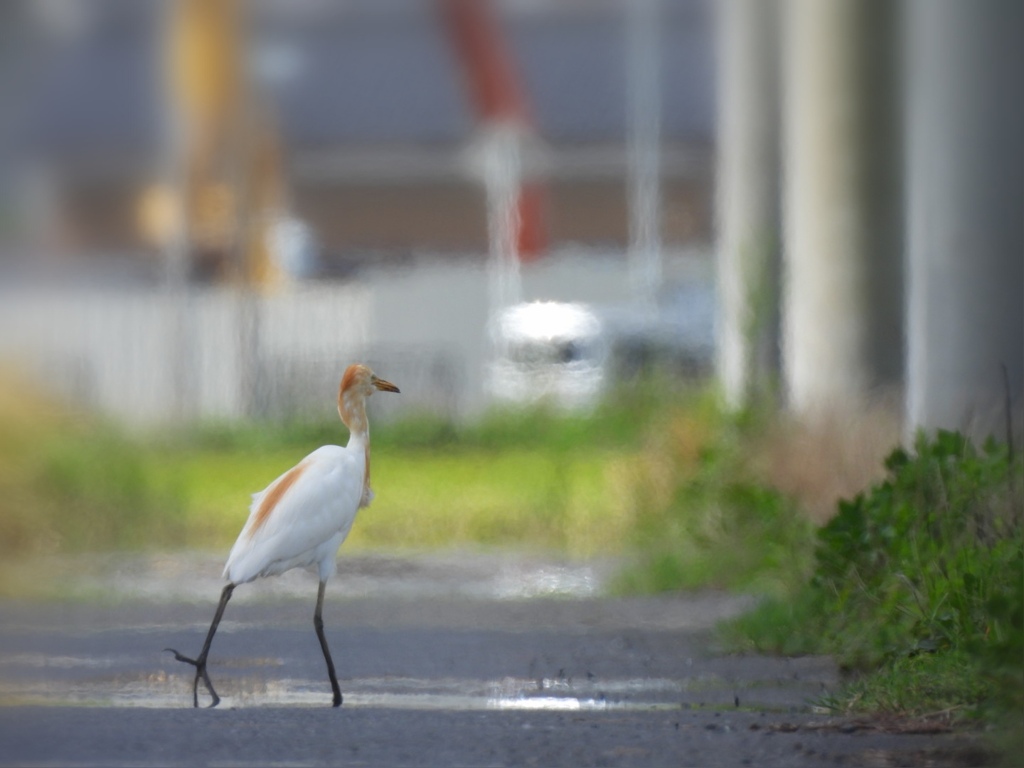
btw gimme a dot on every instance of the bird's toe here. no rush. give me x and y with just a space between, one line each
180 657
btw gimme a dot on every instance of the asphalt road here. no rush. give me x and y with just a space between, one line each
430 677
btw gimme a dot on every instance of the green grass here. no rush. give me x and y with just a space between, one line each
72 483
424 499
703 514
533 479
917 588
925 684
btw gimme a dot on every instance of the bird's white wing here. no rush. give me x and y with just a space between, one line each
297 514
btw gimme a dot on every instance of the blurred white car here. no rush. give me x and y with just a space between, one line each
548 351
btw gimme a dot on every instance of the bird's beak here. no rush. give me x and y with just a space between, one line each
384 386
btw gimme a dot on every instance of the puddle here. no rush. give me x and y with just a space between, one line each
160 690
43 661
65 654
191 576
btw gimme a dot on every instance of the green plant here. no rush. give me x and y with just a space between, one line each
87 490
531 477
100 491
705 517
618 422
925 553
923 572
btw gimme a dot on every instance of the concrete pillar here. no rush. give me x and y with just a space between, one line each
748 198
843 290
965 134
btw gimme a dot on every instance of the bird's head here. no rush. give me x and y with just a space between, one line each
357 384
359 380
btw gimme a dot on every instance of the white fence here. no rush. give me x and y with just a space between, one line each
145 356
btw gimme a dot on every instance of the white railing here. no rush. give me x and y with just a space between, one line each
144 355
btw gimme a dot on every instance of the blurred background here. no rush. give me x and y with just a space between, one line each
595 210
213 207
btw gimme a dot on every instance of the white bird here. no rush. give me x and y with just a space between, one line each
301 518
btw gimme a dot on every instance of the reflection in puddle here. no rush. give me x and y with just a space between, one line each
161 691
190 576
42 661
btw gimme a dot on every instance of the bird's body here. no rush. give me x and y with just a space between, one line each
302 518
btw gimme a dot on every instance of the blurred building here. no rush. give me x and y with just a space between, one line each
373 116
371 112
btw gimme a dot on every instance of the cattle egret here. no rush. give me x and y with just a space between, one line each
301 518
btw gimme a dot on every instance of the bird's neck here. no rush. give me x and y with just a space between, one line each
352 409
353 415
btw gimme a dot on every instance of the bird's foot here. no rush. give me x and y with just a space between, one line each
180 657
337 700
200 665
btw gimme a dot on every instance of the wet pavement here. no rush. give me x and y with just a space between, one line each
473 660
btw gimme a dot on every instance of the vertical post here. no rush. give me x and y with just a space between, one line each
177 261
240 126
498 96
502 174
19 54
842 318
177 130
643 113
966 202
748 198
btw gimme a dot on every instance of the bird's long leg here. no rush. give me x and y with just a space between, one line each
200 662
318 622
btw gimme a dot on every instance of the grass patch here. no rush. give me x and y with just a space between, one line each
915 585
704 514
528 498
70 483
925 684
917 588
532 478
